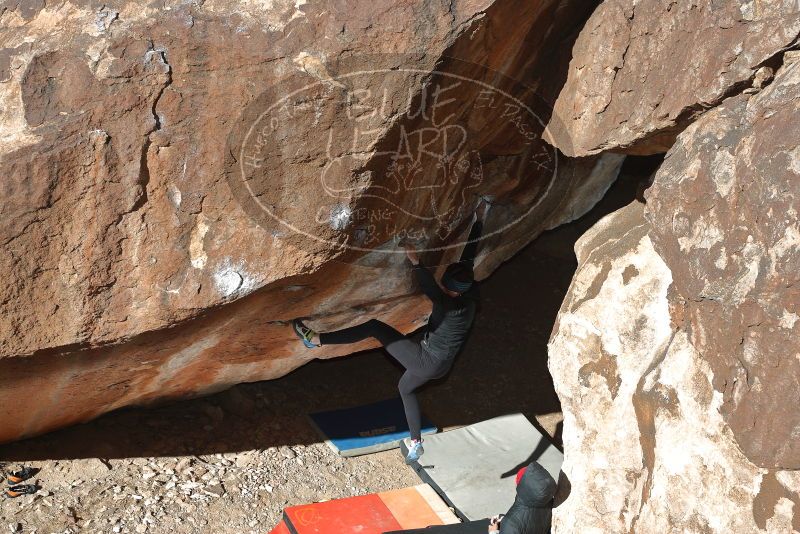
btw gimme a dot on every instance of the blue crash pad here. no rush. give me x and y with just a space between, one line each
375 427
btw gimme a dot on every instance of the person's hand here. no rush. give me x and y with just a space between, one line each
413 255
494 524
482 210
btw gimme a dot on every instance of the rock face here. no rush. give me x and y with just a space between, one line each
643 70
180 182
724 209
646 446
675 354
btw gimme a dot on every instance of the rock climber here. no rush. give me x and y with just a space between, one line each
532 510
454 305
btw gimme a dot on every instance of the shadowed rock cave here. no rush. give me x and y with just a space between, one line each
502 369
260 434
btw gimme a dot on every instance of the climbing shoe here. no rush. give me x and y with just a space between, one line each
304 333
16 477
17 491
415 451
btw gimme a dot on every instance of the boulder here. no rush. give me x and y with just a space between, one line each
675 353
646 446
181 181
724 210
643 70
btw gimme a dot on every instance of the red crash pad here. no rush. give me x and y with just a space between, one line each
280 529
366 514
406 508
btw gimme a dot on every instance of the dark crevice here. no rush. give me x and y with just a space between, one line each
692 113
144 170
646 405
143 181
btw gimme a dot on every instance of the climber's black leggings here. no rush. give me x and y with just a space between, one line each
420 366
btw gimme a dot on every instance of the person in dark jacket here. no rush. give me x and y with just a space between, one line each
532 510
454 305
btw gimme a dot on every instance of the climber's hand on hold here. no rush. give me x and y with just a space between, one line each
411 252
482 209
494 524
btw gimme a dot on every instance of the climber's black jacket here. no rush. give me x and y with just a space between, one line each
451 317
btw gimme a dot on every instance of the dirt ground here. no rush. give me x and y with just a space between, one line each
232 462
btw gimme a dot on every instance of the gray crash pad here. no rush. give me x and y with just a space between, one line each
474 468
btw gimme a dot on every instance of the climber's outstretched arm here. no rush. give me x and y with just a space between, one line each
471 248
427 282
424 277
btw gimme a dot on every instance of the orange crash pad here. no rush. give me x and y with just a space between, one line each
408 508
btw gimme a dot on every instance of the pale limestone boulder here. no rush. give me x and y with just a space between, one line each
646 448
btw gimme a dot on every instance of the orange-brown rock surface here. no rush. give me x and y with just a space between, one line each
724 209
643 70
179 182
